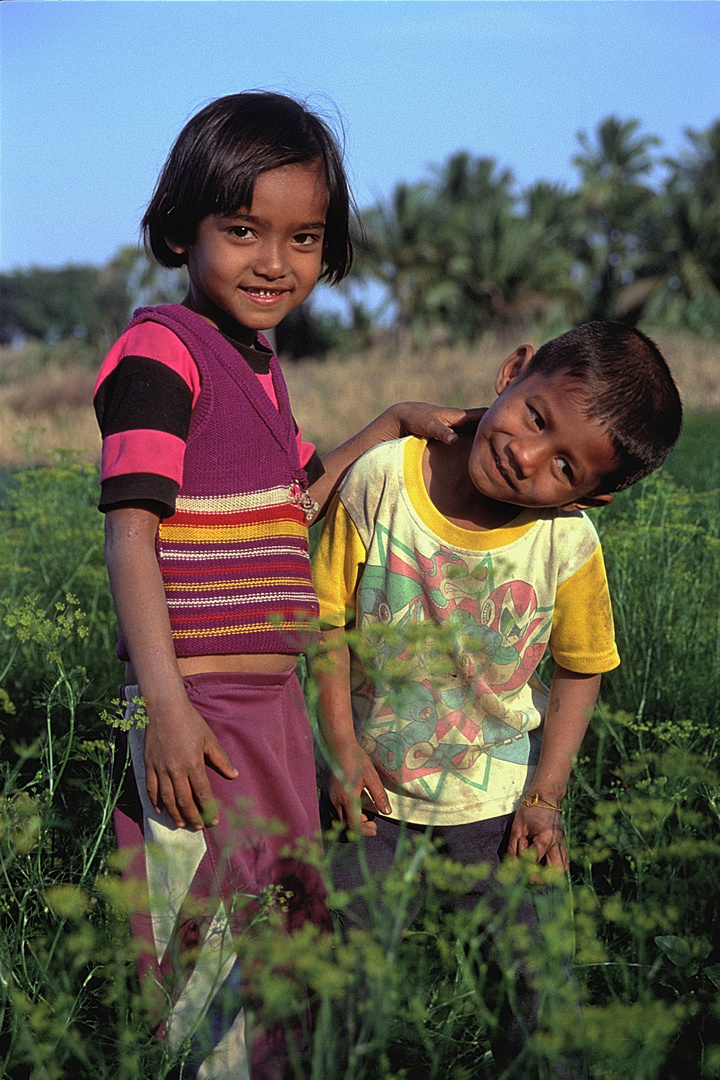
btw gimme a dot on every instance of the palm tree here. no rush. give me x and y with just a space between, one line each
613 202
501 266
555 224
693 193
476 211
398 250
681 270
457 254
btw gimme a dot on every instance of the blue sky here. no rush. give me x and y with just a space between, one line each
93 92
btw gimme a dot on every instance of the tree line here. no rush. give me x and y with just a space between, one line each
463 252
92 304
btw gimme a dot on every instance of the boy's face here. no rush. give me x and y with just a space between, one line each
254 266
535 446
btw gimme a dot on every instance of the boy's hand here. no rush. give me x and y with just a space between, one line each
178 742
539 831
358 775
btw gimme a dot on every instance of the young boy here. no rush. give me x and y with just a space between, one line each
485 541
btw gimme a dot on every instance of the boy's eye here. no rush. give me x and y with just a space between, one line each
536 418
564 468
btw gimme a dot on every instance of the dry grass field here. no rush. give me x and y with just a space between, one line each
42 412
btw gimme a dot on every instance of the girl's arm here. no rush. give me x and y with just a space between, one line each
539 828
352 770
405 418
178 742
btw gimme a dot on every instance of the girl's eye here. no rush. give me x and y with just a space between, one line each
241 231
306 239
564 468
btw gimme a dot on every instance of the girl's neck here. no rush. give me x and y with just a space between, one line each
452 492
222 322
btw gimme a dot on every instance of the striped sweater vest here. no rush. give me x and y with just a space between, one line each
234 556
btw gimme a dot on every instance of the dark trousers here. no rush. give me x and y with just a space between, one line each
481 842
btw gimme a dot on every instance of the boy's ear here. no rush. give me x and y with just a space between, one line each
513 366
589 502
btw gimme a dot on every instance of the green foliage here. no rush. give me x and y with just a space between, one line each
83 303
463 252
648 858
662 549
47 304
66 962
695 461
54 600
687 295
405 997
456 253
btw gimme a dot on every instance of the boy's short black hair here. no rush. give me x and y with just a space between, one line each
217 158
627 387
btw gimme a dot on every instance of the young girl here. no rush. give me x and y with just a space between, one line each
208 490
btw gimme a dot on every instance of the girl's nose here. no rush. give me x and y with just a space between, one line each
269 261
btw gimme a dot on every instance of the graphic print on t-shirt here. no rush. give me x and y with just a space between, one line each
438 682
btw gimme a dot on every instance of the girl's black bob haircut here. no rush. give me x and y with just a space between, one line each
216 159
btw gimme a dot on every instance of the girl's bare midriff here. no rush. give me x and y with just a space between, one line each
261 663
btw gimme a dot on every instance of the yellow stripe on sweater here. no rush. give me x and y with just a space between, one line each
188 534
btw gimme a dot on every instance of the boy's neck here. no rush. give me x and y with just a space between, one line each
452 492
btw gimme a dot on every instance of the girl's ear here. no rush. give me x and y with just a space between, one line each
179 249
589 502
514 366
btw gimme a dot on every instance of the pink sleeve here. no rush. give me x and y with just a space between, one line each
144 397
151 339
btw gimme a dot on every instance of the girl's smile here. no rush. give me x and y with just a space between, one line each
254 266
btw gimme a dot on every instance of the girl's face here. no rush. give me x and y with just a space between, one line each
252 267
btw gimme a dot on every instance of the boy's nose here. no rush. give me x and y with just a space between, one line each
527 455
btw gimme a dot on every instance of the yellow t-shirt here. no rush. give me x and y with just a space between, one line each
452 626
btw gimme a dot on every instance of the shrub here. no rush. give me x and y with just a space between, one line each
642 815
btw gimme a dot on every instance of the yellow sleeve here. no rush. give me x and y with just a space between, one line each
583 636
337 566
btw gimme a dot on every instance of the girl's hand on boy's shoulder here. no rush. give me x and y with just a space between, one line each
430 421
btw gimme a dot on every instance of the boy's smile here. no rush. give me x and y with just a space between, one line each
254 266
535 446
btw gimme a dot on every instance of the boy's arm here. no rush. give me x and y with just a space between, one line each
177 739
539 828
352 770
405 418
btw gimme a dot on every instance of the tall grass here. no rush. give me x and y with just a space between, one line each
642 814
46 391
334 397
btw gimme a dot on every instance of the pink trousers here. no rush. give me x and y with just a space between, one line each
202 888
